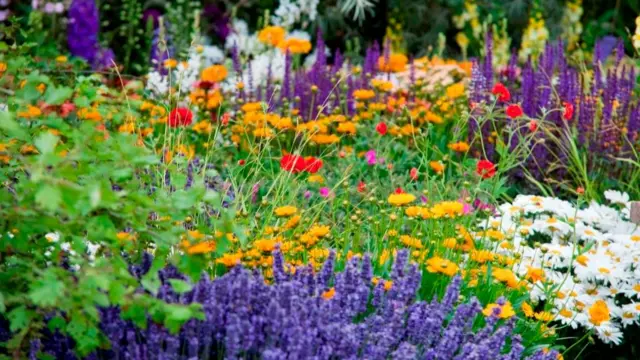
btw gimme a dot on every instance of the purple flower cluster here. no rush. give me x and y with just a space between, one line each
604 116
82 34
325 315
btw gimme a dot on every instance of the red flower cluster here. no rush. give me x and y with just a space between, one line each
381 128
486 169
180 117
296 164
514 111
501 92
568 111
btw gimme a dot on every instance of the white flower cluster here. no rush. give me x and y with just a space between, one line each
581 262
183 77
290 12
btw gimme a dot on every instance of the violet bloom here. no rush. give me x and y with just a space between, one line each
371 157
325 192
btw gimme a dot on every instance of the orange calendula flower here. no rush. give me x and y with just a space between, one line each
437 166
271 35
363 94
204 247
437 264
394 63
31 112
329 294
214 73
460 146
401 199
599 312
285 211
506 310
295 46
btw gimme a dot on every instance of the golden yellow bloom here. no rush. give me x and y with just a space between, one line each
203 127
319 230
447 209
395 63
347 127
31 112
285 211
363 94
534 274
455 91
251 107
214 73
61 59
170 63
265 245
89 114
544 316
411 242
3 67
271 35
128 127
214 99
505 276
400 199
204 247
437 166
295 46
230 259
292 222
323 139
599 312
437 264
527 309
382 85
315 178
482 256
263 132
460 146
418 211
506 310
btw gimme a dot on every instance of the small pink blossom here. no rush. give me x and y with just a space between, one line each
325 192
371 157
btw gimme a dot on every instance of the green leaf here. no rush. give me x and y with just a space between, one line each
177 315
180 286
151 282
57 96
12 128
49 197
3 308
47 290
19 318
46 143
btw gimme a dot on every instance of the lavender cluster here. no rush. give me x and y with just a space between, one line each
325 315
606 119
82 34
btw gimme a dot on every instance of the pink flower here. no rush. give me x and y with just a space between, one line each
466 207
324 192
371 157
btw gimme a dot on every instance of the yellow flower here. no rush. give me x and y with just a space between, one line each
363 94
447 209
395 63
285 211
295 46
214 73
506 310
203 127
455 91
323 139
505 276
251 107
400 199
263 132
482 256
534 274
411 242
437 264
31 112
417 211
61 59
266 245
599 312
271 35
89 114
230 259
347 128
204 247
437 166
544 316
3 67
170 63
319 230
460 146
527 309
382 85
316 178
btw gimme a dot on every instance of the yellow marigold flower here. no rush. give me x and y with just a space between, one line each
251 107
292 222
285 211
27 149
230 259
544 316
323 139
263 132
395 63
89 114
377 106
599 312
363 94
482 256
450 243
388 284
434 118
271 35
400 199
411 242
460 146
527 309
447 209
124 236
204 247
31 112
505 276
316 178
61 59
127 127
281 123
347 128
506 310
437 264
214 73
265 245
170 63
203 127
329 294
418 211
382 85
455 91
437 166
295 46
3 67
214 99
309 239
534 274
319 230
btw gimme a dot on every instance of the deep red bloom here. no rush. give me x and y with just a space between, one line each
413 174
180 117
399 190
361 187
486 169
292 163
381 128
312 165
533 125
67 108
501 92
241 162
225 118
568 111
514 111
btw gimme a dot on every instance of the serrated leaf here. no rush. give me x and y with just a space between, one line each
12 128
180 286
151 282
46 143
19 318
47 290
57 96
49 197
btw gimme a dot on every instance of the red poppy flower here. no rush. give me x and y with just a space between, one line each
533 125
399 190
241 162
180 117
501 92
292 163
312 165
514 111
413 174
225 118
568 111
486 169
381 128
361 187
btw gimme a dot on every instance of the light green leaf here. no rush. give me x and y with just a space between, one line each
49 197
46 143
57 96
180 286
12 128
47 290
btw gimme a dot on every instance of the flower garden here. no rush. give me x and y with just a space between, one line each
194 180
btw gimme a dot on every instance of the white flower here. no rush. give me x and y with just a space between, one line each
617 197
212 55
52 237
157 84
